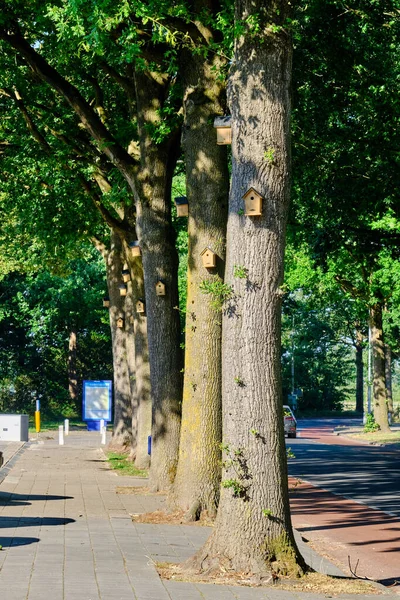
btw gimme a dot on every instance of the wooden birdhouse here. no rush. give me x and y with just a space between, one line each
122 289
140 306
252 203
182 206
209 258
120 323
160 288
106 302
135 248
126 276
224 131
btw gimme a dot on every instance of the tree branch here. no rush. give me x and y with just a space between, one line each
33 130
118 226
99 245
107 143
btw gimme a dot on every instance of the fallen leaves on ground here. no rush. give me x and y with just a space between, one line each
311 582
178 517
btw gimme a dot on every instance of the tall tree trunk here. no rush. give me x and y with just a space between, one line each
378 354
72 374
253 532
122 425
142 366
388 378
197 482
129 310
160 262
359 369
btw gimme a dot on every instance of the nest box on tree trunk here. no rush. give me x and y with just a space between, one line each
126 276
160 288
252 203
224 131
135 248
182 206
209 258
140 306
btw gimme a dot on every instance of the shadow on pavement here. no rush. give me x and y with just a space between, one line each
9 498
8 542
6 522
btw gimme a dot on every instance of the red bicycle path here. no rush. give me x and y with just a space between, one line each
352 535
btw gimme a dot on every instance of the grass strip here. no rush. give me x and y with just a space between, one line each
124 466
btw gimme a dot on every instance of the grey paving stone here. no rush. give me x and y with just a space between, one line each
248 593
215 592
180 590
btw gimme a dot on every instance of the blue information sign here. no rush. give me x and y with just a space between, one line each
97 400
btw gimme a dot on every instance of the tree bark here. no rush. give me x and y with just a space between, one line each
196 486
130 354
72 374
253 532
160 262
359 369
142 366
378 354
122 426
388 378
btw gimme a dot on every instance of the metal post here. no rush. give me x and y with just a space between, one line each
66 426
37 416
103 435
61 435
102 423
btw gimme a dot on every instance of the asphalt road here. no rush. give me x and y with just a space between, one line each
366 474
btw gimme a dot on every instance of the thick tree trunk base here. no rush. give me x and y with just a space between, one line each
119 448
195 509
142 463
212 563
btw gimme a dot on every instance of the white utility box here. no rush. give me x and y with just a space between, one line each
14 428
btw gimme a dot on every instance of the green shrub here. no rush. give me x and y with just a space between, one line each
370 424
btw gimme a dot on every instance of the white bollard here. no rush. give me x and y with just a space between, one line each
102 423
61 435
103 435
66 426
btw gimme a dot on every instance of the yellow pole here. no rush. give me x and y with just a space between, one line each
37 421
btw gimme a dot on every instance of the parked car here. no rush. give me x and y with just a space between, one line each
290 422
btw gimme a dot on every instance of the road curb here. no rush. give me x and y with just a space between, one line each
10 461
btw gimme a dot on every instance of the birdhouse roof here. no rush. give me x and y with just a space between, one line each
207 249
251 191
181 200
133 244
223 121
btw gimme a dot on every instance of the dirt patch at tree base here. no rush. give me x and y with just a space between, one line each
310 582
178 517
137 490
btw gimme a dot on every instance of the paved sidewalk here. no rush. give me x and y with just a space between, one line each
67 535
